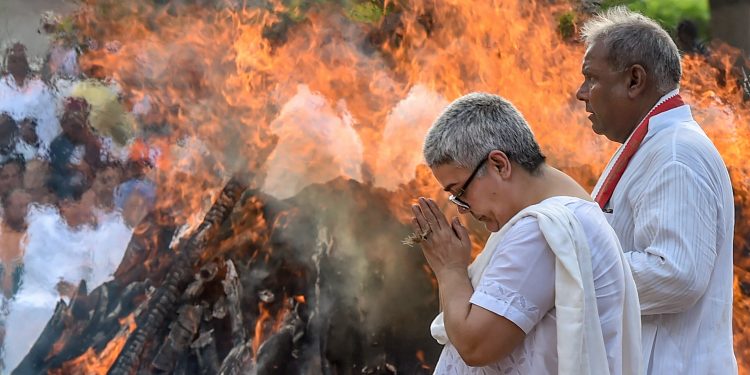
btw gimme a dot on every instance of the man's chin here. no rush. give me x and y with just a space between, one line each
596 129
595 125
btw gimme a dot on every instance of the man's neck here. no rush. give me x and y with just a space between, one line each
15 227
642 109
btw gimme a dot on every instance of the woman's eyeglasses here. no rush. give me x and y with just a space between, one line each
456 198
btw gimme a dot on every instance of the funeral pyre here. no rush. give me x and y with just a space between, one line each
259 287
286 139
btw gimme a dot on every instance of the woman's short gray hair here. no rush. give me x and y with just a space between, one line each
633 38
476 124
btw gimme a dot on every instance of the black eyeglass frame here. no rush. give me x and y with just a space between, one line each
456 198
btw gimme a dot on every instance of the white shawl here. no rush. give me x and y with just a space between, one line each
580 345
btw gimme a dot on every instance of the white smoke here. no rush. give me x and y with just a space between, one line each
401 148
317 143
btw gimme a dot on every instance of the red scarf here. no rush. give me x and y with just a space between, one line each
630 148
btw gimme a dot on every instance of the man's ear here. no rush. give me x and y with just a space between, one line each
637 80
499 162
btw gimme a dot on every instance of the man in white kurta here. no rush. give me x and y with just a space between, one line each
666 193
674 214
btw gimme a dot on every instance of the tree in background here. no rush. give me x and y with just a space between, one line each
727 20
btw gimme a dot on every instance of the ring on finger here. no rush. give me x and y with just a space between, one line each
426 233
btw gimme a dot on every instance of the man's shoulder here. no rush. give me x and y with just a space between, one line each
684 142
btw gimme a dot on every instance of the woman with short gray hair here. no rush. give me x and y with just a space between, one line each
550 293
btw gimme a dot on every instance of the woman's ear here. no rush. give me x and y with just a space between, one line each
499 162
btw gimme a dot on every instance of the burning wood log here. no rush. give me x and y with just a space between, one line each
51 333
233 290
271 293
177 279
276 353
239 361
204 348
205 275
149 245
179 339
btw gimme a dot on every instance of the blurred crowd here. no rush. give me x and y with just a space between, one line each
74 182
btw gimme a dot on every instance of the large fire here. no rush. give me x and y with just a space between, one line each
301 92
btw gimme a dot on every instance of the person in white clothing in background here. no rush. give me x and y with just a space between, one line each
666 193
551 292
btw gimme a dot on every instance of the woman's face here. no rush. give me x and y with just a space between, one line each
488 195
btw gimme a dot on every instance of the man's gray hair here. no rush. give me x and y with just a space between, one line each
633 38
476 124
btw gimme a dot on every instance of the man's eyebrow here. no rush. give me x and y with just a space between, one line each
448 187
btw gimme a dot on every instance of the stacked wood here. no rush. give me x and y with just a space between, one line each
262 286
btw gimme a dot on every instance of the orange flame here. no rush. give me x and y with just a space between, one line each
420 358
268 323
215 89
92 362
260 328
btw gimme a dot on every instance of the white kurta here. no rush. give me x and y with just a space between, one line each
34 100
673 211
519 284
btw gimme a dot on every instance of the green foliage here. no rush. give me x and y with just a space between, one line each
296 10
566 24
669 13
66 26
364 11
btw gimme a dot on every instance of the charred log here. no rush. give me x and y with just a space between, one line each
31 364
276 287
280 350
204 348
233 290
238 361
179 339
147 249
177 279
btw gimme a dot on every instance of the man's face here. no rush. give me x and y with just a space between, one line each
27 129
10 177
604 90
16 208
105 182
17 62
35 174
73 126
482 194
